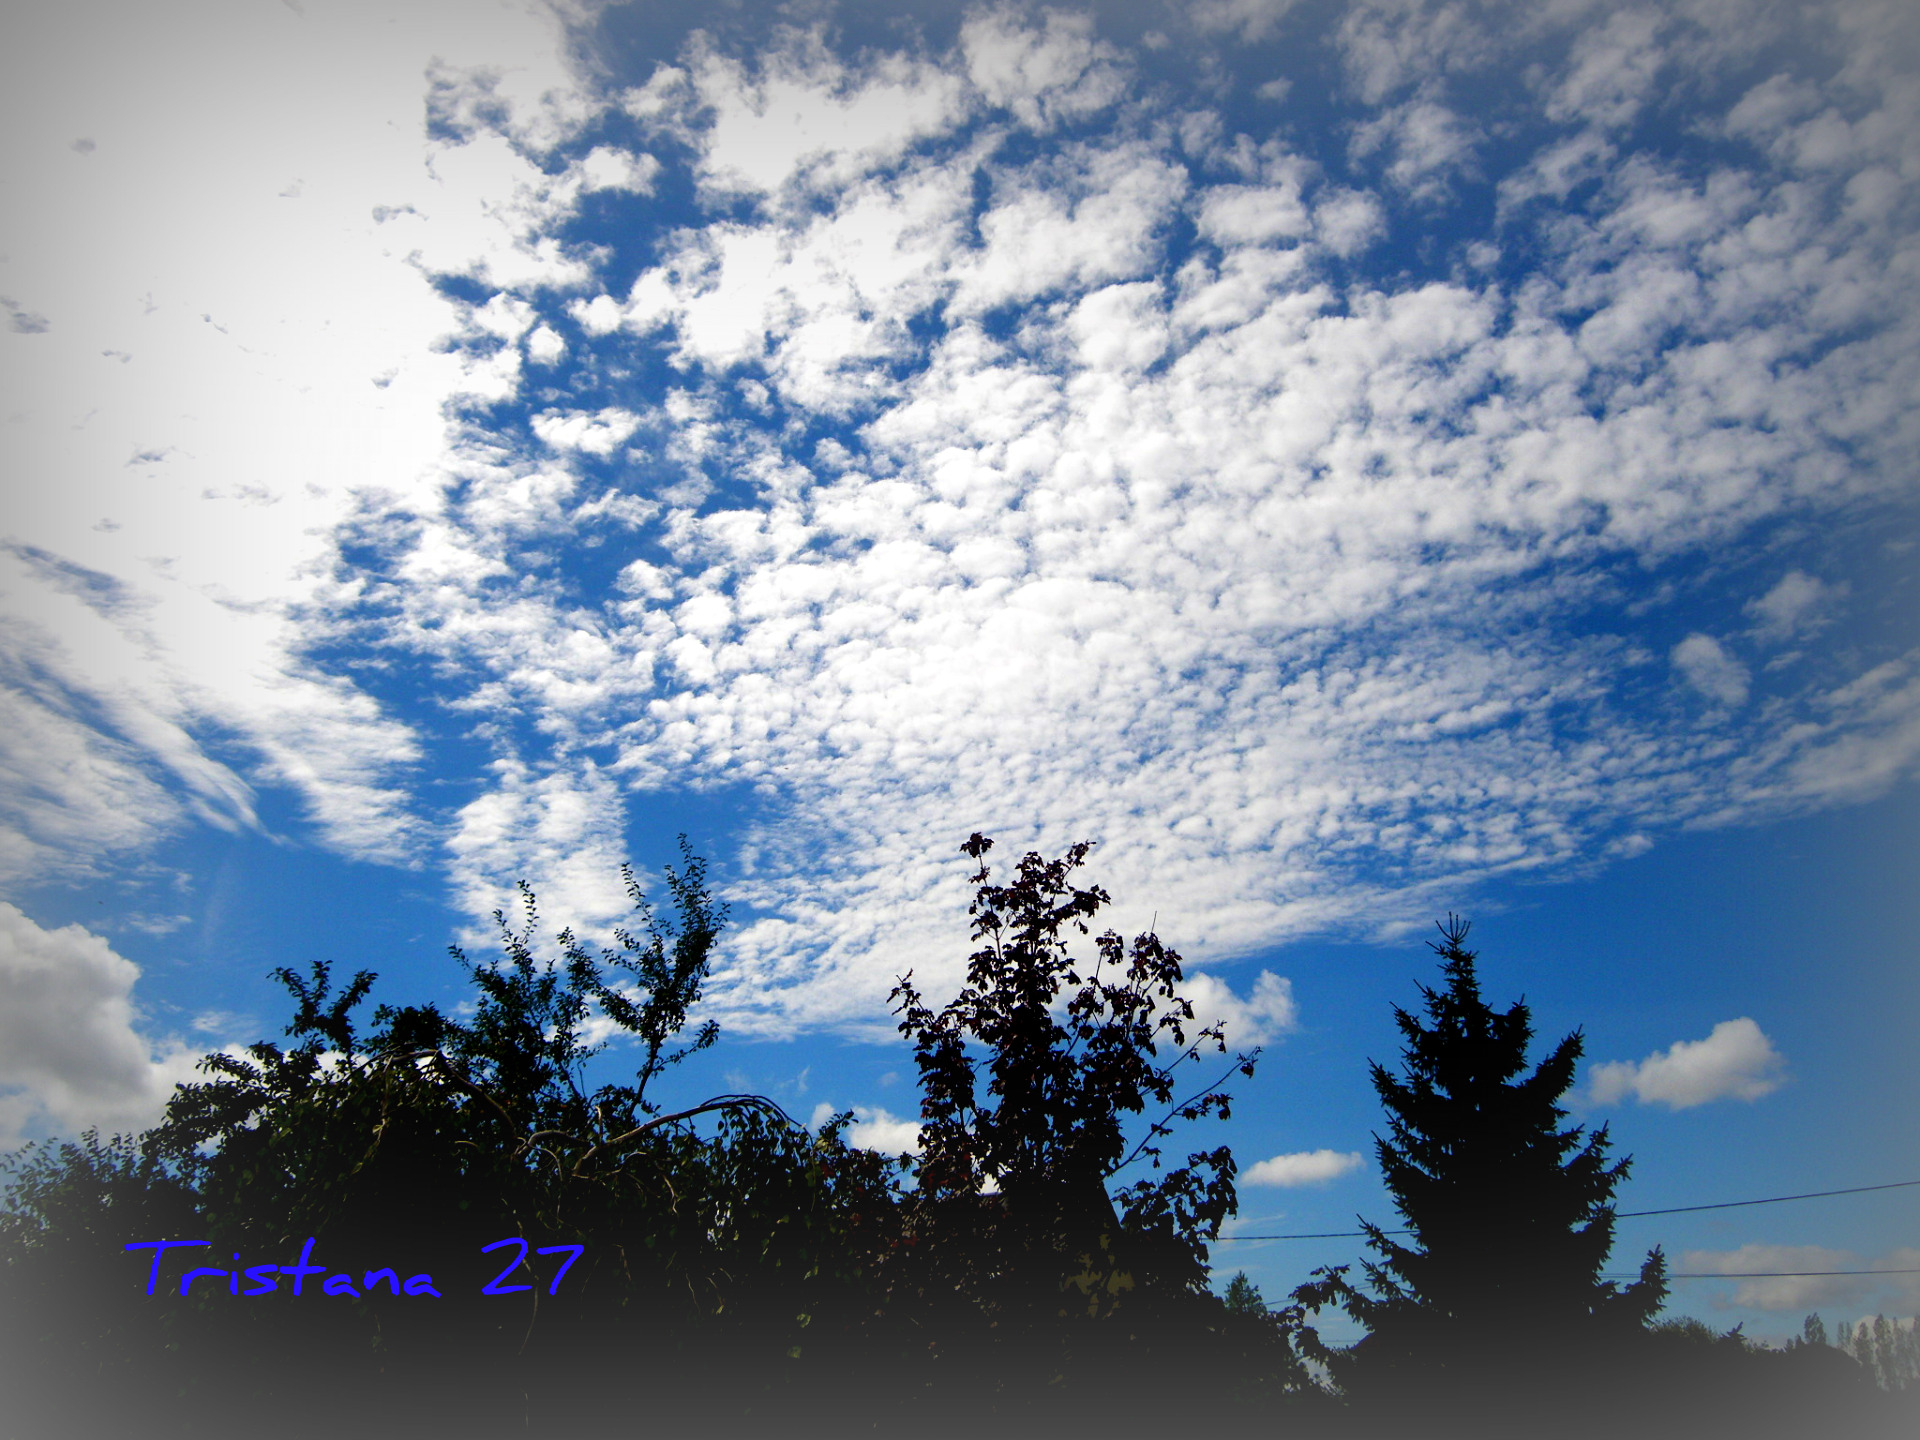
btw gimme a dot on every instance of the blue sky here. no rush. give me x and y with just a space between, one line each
1354 462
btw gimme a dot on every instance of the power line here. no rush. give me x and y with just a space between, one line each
1768 1274
1318 1235
1770 1200
1739 1275
1634 1214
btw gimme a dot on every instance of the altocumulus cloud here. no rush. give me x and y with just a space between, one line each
965 487
1000 431
1735 1062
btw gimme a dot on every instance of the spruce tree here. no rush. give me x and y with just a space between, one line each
1494 1294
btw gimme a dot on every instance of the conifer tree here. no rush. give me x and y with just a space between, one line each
1495 1291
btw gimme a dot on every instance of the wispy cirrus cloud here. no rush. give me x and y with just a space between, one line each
263 345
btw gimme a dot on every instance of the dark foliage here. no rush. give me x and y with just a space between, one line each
414 1146
1030 1076
1888 1350
72 1328
743 1276
1497 1291
1690 1380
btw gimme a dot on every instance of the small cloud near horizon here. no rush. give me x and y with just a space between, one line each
1797 1278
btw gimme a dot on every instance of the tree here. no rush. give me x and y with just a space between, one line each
415 1145
1508 1213
74 1334
1029 1078
431 1130
1693 1380
1243 1297
1888 1350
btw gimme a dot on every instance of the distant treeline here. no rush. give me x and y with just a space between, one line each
428 1225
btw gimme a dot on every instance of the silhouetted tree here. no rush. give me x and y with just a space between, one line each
1495 1297
75 1337
1888 1350
1243 1297
1694 1380
1029 1076
712 1254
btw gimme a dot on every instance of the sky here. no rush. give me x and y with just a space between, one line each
1353 462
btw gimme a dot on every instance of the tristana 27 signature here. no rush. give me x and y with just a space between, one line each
263 1279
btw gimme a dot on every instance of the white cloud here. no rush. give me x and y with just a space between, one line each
806 114
113 682
874 1129
1304 1167
69 1053
1705 665
1085 225
595 433
1209 560
1390 47
1735 1062
1791 606
1777 1287
1253 214
561 830
1347 221
599 316
1250 20
1260 1018
1555 170
1872 737
1427 144
1120 327
1611 71
265 334
606 168
72 798
1045 74
545 345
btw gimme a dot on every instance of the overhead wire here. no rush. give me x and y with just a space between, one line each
1635 1214
1770 1200
1760 1274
